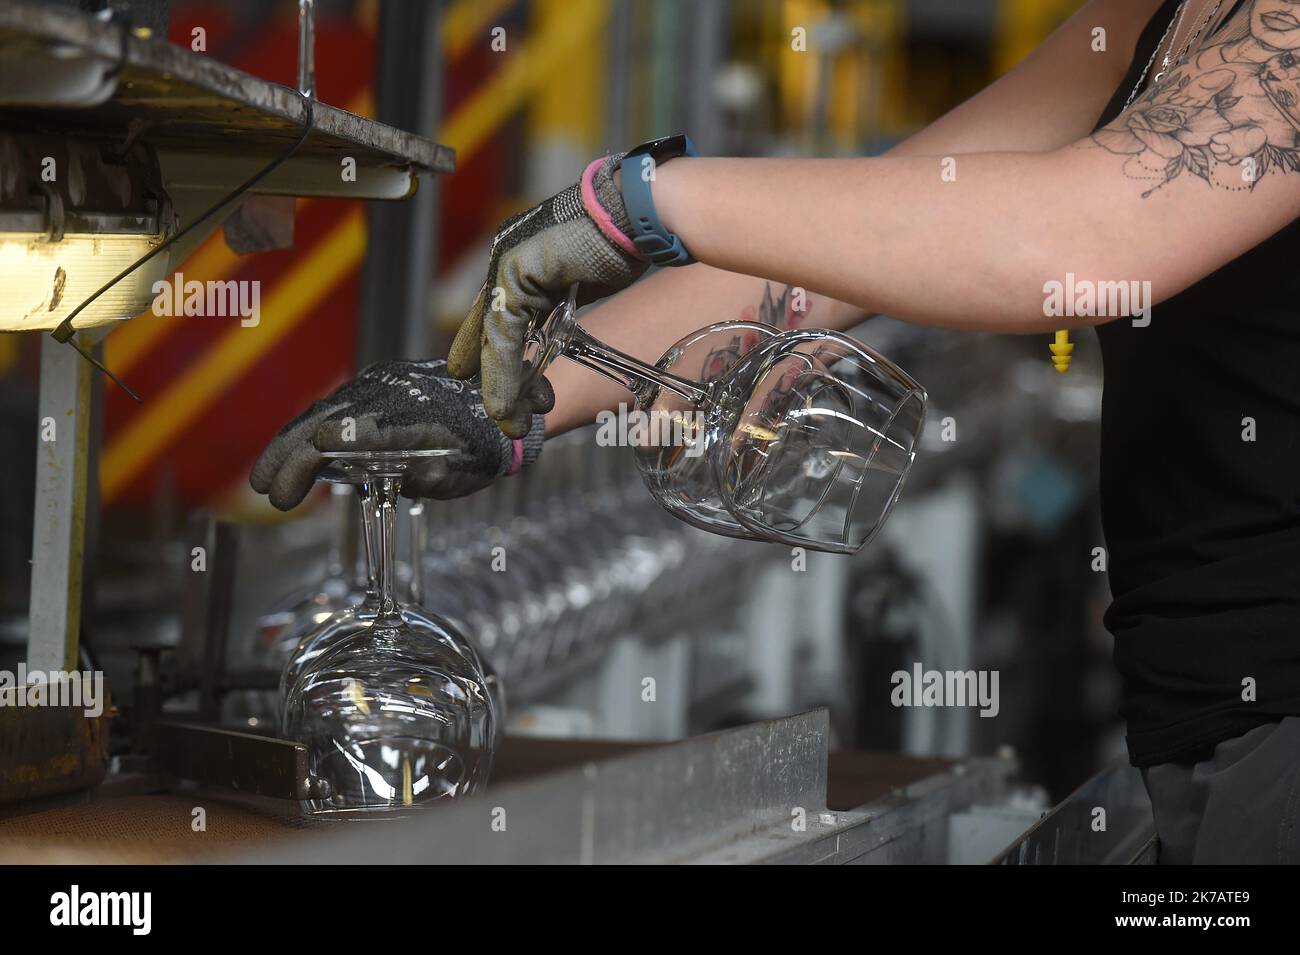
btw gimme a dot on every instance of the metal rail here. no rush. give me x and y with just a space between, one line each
755 794
1106 821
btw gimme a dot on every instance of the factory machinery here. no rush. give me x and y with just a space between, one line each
643 661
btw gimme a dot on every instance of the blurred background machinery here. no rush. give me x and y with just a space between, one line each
988 563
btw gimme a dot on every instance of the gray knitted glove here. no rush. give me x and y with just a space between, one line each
579 235
401 406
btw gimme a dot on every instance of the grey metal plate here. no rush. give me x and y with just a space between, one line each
255 765
194 102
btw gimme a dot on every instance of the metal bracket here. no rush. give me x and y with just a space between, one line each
252 765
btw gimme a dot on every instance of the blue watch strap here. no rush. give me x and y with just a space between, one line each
648 234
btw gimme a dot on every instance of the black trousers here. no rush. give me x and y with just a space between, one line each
1239 806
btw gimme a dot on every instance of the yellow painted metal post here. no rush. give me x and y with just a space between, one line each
797 60
569 104
1023 24
881 69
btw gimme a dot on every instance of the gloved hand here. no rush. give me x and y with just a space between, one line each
400 406
579 235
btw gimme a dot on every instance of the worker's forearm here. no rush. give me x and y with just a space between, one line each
893 235
646 319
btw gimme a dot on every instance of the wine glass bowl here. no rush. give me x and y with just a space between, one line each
674 449
802 437
392 717
818 452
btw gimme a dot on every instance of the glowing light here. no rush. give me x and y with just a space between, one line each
44 280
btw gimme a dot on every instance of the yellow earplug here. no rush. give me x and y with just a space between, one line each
1061 351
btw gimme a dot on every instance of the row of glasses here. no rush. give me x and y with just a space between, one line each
570 557
418 543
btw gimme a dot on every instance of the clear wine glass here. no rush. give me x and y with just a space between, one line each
802 437
391 713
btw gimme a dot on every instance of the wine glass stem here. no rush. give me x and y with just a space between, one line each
418 542
379 514
632 373
340 512
372 588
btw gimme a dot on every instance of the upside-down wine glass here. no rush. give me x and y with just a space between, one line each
392 713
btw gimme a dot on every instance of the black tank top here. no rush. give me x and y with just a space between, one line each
1200 495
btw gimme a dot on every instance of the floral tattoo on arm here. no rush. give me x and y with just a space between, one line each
1230 116
780 311
784 311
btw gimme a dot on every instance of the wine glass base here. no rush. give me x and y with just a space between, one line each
359 467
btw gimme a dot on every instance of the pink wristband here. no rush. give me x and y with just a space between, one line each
600 216
517 456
